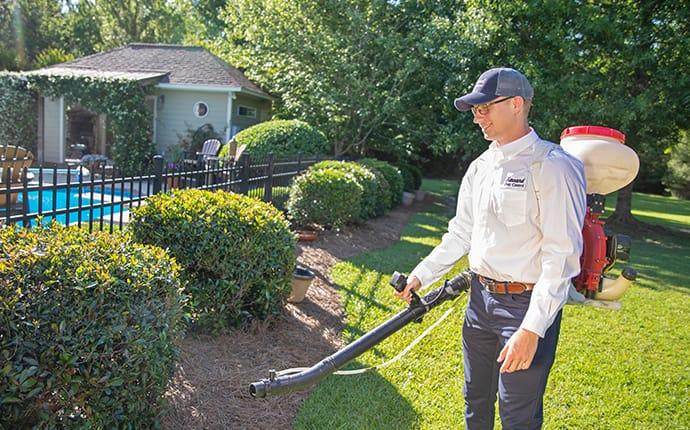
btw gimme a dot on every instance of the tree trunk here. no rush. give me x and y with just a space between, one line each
623 214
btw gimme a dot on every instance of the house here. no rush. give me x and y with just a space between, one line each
191 89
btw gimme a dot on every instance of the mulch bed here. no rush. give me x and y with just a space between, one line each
210 389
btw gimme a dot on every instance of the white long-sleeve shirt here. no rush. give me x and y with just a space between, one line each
510 234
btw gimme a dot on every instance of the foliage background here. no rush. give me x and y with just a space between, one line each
379 77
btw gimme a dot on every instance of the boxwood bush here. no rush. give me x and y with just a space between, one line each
408 178
416 176
392 175
90 326
364 177
237 252
283 138
330 198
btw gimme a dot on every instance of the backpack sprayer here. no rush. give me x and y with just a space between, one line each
609 166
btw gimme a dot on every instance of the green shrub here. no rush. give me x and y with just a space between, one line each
677 178
364 177
408 178
392 175
237 252
90 326
416 176
327 197
50 56
283 138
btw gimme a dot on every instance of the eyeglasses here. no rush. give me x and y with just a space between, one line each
484 109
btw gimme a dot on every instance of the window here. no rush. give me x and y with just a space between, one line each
246 111
200 109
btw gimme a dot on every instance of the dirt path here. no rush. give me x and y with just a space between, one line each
210 389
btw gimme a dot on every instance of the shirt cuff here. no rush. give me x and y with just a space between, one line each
423 273
535 322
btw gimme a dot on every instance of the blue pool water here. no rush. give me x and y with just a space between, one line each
61 199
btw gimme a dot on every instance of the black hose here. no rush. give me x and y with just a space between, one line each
294 382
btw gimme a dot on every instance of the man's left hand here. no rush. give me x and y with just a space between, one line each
518 352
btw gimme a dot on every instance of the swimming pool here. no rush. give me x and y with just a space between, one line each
64 196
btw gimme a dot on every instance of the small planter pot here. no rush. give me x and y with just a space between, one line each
306 235
419 195
407 198
301 280
173 182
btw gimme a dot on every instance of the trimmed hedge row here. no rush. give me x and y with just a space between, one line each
327 197
237 252
334 193
90 326
412 177
392 175
364 177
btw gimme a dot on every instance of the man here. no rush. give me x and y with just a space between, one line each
520 211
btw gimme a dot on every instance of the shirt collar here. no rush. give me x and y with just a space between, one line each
511 149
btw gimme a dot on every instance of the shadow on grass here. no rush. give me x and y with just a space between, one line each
650 208
370 400
664 261
660 257
337 404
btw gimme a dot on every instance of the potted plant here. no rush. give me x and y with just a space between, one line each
173 158
304 233
407 198
301 279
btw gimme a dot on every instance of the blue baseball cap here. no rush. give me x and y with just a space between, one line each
494 83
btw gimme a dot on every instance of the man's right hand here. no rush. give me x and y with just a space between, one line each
413 284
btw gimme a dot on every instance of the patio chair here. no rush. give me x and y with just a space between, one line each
235 151
209 151
13 160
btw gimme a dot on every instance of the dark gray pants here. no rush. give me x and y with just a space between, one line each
490 320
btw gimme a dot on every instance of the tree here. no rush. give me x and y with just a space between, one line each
620 64
100 25
355 69
28 27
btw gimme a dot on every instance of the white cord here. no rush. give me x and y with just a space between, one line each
382 365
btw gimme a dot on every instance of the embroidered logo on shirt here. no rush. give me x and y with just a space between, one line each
514 182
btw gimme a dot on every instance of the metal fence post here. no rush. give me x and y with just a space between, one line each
201 175
268 186
157 173
244 175
25 196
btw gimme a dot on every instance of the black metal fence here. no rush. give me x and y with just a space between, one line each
101 198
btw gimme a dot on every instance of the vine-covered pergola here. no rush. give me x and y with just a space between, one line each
122 99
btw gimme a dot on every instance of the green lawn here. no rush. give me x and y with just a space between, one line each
615 369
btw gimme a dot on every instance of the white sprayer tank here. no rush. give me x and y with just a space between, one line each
609 164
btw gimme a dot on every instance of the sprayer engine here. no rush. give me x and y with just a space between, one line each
600 250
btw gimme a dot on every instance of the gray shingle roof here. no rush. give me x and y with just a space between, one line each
185 65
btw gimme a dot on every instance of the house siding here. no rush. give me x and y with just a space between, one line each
239 123
175 115
51 130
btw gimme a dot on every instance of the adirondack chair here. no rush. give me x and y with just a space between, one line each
13 160
235 151
209 151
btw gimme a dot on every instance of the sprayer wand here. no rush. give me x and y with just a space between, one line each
286 383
